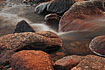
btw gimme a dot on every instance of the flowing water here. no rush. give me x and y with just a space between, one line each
74 42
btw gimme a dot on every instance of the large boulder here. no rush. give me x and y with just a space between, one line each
11 43
31 60
54 6
23 26
81 16
91 62
97 45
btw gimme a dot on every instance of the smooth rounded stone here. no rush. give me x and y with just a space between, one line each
58 7
41 8
31 60
81 16
11 43
68 62
91 62
23 26
97 45
54 6
52 20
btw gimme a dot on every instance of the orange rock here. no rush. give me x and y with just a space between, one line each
31 60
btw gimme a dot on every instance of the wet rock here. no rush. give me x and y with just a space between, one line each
11 43
52 20
23 26
33 60
66 63
54 6
91 62
34 1
59 7
81 16
97 45
41 8
76 42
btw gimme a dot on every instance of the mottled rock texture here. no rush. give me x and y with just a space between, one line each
31 60
81 16
11 43
66 63
91 62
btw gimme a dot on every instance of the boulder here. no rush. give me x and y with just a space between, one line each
11 43
52 20
81 16
91 62
76 42
97 45
54 6
58 7
31 60
68 62
23 26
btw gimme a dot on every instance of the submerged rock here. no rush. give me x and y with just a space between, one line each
31 60
52 20
11 43
23 26
91 62
97 45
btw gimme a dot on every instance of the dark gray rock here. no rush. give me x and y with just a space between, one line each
23 26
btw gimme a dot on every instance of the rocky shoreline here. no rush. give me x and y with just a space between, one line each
77 43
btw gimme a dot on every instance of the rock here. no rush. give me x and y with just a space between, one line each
34 1
81 16
76 42
41 8
59 7
52 20
11 43
66 63
54 6
97 45
91 62
23 26
33 60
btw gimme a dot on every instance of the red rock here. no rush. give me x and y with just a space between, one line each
66 63
91 62
81 16
97 45
11 43
31 60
